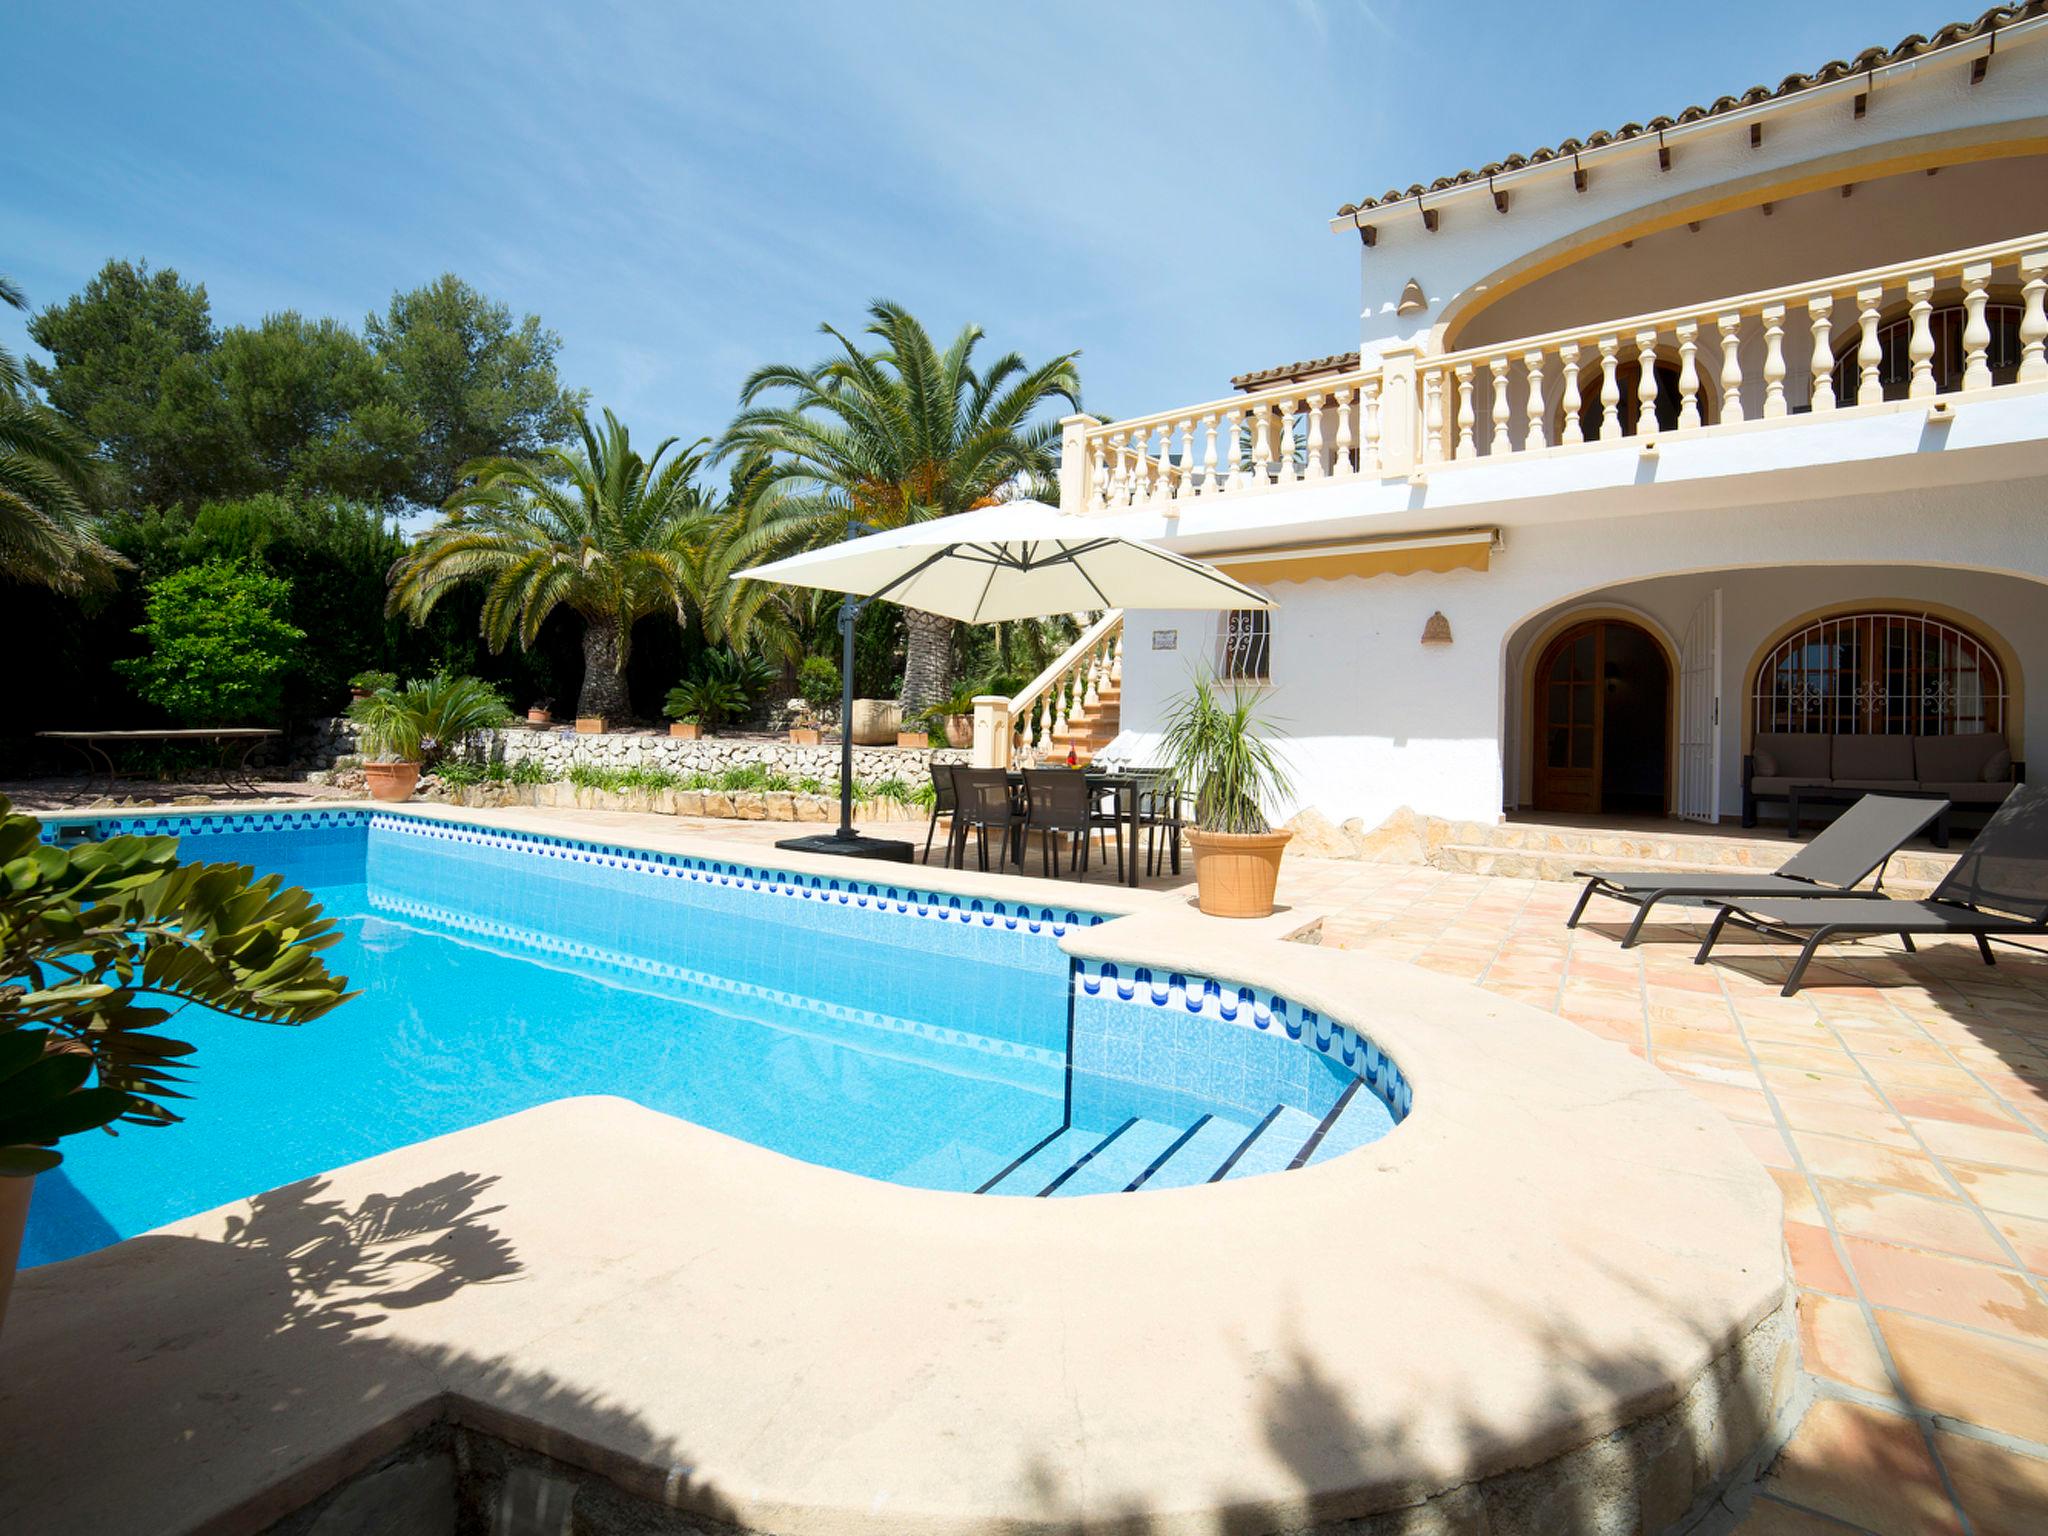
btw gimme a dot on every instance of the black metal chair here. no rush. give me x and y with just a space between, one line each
944 801
1161 816
1059 800
981 803
1105 815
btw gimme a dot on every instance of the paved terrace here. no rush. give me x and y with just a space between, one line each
1900 1102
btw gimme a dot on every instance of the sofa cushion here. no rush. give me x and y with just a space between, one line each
1879 757
1970 792
1953 759
1792 755
1876 786
1998 767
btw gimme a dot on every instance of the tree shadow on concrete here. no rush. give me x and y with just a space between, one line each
261 1389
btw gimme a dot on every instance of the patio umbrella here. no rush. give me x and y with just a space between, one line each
1017 560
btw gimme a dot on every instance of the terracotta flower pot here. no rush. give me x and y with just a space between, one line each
539 717
14 1198
391 781
685 731
914 740
590 725
959 730
805 736
1236 872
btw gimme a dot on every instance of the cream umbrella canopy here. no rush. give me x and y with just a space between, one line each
1016 560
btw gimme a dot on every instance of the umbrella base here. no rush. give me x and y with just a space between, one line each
850 845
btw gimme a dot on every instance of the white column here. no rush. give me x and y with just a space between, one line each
2034 317
1467 448
1342 465
1077 494
1688 374
1646 383
1869 351
1570 429
1536 427
1316 468
1610 389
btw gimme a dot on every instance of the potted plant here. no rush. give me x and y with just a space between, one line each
363 684
913 741
404 729
804 730
1220 756
541 714
818 683
79 1043
686 728
591 725
953 721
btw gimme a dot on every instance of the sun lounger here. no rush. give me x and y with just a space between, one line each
1860 840
1998 887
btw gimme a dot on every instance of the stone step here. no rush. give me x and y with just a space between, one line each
1683 849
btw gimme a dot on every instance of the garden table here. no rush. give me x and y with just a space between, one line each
94 746
1125 787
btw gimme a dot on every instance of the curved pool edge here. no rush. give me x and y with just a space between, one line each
1559 1283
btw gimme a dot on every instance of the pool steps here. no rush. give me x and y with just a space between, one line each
1150 1154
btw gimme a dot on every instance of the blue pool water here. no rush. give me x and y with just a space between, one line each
906 1037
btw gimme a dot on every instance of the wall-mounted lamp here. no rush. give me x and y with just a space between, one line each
1438 630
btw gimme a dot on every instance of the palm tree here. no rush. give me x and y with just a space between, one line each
601 531
47 480
889 438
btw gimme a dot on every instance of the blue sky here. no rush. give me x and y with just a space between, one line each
684 193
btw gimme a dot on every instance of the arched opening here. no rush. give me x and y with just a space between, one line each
1628 378
1603 706
1880 672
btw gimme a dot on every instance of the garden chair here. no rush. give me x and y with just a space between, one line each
1059 800
1860 840
981 803
943 803
1999 886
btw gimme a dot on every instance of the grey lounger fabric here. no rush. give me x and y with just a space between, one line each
1998 886
1848 849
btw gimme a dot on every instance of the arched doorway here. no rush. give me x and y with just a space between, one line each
1603 707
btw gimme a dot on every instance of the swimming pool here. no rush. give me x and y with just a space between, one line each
932 1040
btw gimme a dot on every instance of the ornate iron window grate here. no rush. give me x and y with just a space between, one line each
1883 674
1244 649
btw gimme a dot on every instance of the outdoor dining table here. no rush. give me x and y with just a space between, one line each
1125 787
93 747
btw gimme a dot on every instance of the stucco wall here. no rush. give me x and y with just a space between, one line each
1376 720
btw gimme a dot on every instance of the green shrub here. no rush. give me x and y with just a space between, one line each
707 701
530 770
745 776
374 682
218 645
817 680
814 786
893 790
427 719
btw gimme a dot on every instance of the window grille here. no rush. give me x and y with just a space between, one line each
1883 674
1245 646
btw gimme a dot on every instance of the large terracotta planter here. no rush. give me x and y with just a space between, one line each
806 736
959 730
590 725
14 1198
391 781
1236 872
915 741
685 730
876 721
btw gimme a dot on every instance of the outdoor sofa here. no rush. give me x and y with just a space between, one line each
1973 772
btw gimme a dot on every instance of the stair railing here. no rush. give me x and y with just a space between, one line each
1007 730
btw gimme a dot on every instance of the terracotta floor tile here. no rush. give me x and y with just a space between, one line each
1993 1383
1911 1221
1844 1158
2013 1149
2003 1493
1852 1120
1835 1342
1767 1517
2028 1236
2002 1189
1797 1194
1744 1104
1964 1109
1953 1290
1865 1466
1815 1265
1767 1143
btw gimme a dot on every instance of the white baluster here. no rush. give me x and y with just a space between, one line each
1091 677
1869 351
1502 443
1976 329
1535 426
1369 409
1120 479
1433 415
2034 317
1570 429
1232 421
1688 374
1342 465
1610 389
1100 482
1646 383
1820 312
1283 445
1774 361
1730 327
1920 350
1467 418
1116 655
1317 470
1210 484
1262 447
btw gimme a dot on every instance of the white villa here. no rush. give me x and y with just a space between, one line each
1658 450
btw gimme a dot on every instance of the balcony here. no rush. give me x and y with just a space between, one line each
1964 325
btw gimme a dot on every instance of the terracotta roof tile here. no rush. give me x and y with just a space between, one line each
1337 362
1835 69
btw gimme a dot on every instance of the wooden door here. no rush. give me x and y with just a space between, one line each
1569 703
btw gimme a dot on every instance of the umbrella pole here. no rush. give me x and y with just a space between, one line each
849 615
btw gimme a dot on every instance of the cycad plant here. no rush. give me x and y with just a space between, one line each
47 480
599 530
426 719
1219 751
887 438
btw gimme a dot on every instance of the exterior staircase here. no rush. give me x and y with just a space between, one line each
1545 850
1091 728
1074 705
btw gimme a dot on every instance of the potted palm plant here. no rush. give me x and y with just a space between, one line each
80 1044
1220 757
405 729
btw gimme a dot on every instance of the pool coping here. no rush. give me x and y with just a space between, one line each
1561 1279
